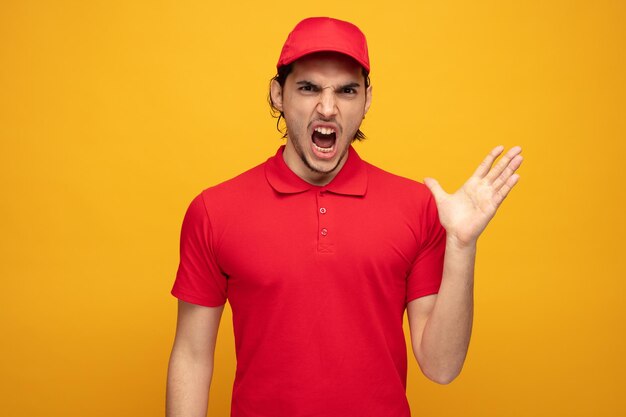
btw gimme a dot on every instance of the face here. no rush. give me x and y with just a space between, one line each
324 100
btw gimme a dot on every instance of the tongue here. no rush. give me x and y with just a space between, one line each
323 141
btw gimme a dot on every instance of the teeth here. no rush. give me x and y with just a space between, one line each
325 130
324 150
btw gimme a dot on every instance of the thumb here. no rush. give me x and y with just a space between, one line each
435 188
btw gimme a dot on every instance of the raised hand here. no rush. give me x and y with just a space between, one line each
466 213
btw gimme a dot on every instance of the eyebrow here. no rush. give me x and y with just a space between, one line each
312 84
350 85
305 82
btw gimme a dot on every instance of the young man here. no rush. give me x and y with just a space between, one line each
319 254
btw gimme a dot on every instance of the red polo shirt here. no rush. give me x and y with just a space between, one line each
318 279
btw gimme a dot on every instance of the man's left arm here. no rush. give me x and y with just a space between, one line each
441 324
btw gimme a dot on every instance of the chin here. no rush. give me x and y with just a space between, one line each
327 166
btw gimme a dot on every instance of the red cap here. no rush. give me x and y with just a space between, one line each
319 34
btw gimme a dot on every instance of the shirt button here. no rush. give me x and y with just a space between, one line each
324 232
323 210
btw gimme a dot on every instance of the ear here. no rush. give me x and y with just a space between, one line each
276 93
368 99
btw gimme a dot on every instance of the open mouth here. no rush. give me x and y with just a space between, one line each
324 139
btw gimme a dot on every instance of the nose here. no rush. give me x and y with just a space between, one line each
327 105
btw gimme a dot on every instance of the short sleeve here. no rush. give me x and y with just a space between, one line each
427 269
199 279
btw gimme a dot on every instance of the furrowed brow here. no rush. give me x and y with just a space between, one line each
350 85
307 83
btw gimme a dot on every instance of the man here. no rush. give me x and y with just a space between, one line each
319 254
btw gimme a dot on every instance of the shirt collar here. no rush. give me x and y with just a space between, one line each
350 180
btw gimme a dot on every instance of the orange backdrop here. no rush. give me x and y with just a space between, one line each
115 114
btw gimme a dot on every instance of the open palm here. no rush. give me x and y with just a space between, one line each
466 213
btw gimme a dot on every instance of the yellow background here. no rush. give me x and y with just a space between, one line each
115 114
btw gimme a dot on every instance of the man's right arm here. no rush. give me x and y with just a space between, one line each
191 362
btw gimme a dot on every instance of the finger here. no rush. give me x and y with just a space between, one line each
502 164
508 172
435 188
506 188
485 165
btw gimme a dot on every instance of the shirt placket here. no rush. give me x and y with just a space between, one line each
326 232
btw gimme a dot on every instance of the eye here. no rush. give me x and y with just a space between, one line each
308 88
349 90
